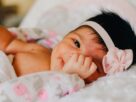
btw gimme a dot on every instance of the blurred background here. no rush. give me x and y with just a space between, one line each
13 11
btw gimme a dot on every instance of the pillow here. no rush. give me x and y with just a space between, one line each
133 2
67 16
39 7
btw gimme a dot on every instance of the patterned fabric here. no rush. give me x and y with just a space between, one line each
40 87
41 36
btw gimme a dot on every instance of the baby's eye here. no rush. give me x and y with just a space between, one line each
76 42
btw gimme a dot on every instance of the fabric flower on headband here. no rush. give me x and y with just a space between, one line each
117 60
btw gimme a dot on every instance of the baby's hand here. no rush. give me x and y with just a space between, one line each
81 65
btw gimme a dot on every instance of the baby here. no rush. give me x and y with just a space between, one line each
104 44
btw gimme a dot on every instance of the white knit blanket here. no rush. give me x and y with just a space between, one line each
115 88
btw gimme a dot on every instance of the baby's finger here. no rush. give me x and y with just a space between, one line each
81 59
92 69
88 62
68 67
88 72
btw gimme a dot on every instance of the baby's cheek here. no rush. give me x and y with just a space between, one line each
57 64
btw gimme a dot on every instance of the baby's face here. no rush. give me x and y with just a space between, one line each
81 41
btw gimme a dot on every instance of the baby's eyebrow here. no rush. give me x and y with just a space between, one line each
92 32
77 34
68 33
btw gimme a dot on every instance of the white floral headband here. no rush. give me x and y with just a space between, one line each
116 60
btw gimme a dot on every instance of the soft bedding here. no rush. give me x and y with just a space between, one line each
120 87
67 15
40 87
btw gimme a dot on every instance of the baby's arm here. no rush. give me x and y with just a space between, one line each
8 43
38 57
5 38
81 65
11 45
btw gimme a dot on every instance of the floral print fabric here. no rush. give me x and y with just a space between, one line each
44 37
40 87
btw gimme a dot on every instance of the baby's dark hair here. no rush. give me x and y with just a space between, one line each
118 29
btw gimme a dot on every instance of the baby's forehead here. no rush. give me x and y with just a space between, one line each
86 28
84 31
